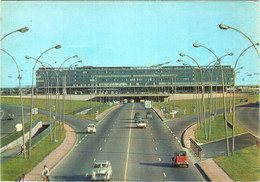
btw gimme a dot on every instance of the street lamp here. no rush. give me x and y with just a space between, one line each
22 30
234 97
196 90
202 89
21 101
225 27
32 90
223 91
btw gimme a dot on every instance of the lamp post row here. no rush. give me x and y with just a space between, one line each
221 26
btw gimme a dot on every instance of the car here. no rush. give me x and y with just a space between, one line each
10 117
180 158
91 128
101 170
149 115
141 124
137 119
137 114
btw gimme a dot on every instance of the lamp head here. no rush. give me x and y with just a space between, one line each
224 27
181 54
28 57
184 64
57 47
257 44
76 65
80 61
75 56
24 29
196 45
179 60
231 54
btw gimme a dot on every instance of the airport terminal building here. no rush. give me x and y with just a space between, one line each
123 80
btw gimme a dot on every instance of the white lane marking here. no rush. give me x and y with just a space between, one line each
151 134
80 141
155 148
76 145
169 129
153 140
94 159
173 134
83 138
179 141
108 135
105 140
159 159
100 149
176 138
86 135
111 129
164 174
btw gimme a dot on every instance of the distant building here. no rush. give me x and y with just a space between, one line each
103 80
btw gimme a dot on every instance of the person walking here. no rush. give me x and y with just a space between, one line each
45 173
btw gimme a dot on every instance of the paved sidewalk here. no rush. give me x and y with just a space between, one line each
209 167
213 171
55 157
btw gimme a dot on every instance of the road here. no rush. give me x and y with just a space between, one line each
135 154
248 116
9 126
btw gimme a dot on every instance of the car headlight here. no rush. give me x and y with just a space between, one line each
93 174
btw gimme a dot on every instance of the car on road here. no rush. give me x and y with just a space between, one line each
101 170
149 115
91 128
180 158
10 117
137 119
141 124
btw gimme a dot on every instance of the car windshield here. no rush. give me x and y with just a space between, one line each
141 122
91 126
100 166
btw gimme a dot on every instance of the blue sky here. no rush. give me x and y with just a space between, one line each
127 33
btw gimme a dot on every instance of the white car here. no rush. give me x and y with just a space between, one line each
101 170
91 128
141 124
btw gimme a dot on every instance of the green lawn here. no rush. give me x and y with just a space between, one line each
217 129
17 166
188 104
243 166
70 105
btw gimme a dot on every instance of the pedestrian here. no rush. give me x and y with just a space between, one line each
45 173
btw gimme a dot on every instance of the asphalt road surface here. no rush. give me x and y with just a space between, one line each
135 154
9 126
248 116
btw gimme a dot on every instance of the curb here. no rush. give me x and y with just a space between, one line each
35 173
74 145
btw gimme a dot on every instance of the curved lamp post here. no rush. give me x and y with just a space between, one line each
32 90
22 30
223 92
225 27
196 92
202 88
234 97
21 101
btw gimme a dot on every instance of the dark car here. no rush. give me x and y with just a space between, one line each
10 117
137 114
138 118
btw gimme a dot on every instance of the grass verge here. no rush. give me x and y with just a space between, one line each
218 129
243 166
17 166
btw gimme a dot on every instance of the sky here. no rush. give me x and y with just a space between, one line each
127 33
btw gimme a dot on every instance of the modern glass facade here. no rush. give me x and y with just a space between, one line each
89 79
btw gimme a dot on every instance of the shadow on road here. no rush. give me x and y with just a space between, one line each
158 164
